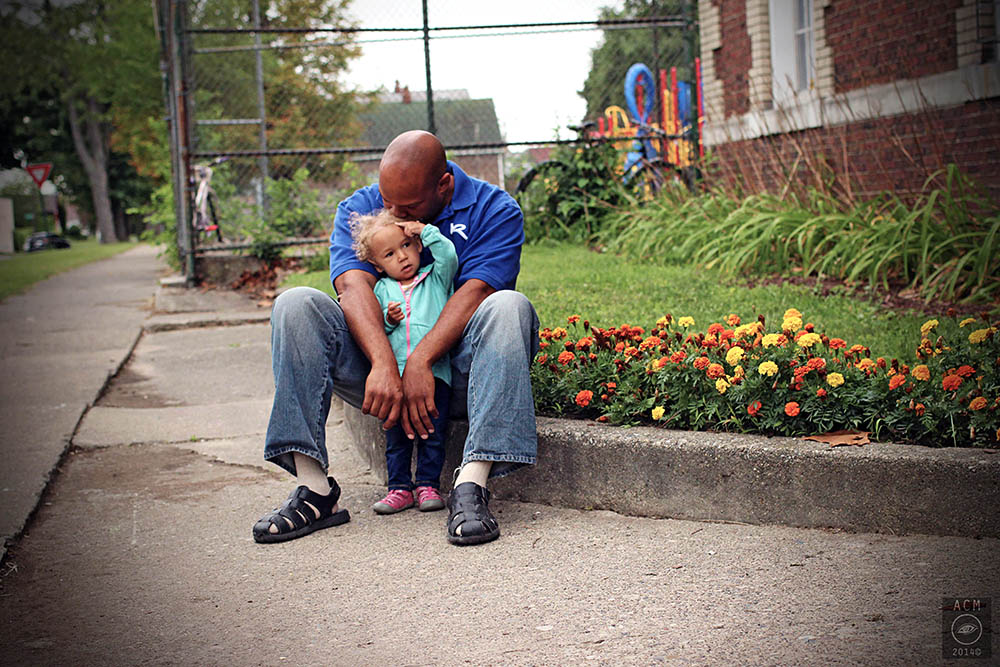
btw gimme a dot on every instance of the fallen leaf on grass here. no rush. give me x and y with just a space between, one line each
841 438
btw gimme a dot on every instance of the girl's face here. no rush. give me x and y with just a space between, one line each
396 254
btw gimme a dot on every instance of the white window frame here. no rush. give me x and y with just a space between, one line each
793 51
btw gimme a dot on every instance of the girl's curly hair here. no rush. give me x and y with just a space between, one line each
364 227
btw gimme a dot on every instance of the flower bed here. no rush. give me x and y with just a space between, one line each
790 381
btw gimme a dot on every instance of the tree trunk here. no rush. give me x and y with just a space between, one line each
93 150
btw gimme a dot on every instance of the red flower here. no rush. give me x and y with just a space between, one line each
584 343
602 418
816 363
715 329
821 392
919 409
896 381
754 408
583 398
542 359
573 319
791 408
677 357
837 343
965 371
701 363
951 382
715 371
565 357
543 344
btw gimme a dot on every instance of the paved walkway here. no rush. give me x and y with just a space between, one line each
140 551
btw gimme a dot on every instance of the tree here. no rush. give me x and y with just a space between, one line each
659 48
99 60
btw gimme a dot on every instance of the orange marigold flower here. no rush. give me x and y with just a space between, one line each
565 357
583 398
715 329
951 382
662 361
715 371
978 403
630 352
866 365
543 358
602 418
837 343
821 392
559 333
816 363
543 344
573 319
966 371
650 343
701 363
919 409
592 356
922 373
677 357
754 408
619 347
791 408
896 381
584 343
733 320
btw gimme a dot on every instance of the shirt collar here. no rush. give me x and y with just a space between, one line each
464 195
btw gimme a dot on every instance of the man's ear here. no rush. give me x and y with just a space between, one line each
445 183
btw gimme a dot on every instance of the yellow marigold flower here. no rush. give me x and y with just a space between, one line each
721 386
865 364
791 324
979 335
733 319
773 340
738 372
834 379
978 403
792 312
927 327
768 368
734 355
658 412
921 372
662 322
809 339
967 321
686 322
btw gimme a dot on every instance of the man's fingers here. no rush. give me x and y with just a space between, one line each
404 423
392 417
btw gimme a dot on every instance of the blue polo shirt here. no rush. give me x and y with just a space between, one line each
483 222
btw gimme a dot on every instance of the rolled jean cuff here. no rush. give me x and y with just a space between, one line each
503 465
282 457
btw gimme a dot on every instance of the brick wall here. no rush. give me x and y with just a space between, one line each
879 41
732 59
896 153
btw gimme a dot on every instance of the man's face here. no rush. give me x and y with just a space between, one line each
396 254
409 199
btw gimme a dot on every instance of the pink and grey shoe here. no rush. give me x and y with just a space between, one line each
428 499
396 500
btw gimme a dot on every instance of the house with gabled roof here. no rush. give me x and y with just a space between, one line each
461 124
885 91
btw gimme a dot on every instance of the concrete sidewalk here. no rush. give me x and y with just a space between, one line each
147 525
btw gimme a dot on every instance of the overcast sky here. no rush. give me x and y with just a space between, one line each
532 79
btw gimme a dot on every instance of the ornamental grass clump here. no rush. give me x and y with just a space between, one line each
785 380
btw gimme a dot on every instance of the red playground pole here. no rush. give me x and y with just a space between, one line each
701 111
676 157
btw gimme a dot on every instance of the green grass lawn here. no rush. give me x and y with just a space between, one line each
21 271
608 290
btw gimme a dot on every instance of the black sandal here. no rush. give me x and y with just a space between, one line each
302 517
467 508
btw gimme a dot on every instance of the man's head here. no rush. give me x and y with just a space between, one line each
413 177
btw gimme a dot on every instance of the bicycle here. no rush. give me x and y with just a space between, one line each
205 219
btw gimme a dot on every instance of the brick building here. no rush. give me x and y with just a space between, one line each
884 91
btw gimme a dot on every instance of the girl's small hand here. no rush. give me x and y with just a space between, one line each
411 227
393 313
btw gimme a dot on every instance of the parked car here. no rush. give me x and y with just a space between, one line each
43 241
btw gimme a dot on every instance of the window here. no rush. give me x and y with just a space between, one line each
793 68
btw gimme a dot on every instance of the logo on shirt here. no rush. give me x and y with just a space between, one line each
458 228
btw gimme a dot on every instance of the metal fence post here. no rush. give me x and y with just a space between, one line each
431 127
261 111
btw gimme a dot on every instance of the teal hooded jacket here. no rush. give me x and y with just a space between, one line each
422 302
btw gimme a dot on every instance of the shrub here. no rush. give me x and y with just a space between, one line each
789 380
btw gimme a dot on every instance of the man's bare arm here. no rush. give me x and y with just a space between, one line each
418 380
383 387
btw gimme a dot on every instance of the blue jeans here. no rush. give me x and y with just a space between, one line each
313 357
430 452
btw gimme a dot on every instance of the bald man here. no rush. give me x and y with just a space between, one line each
321 347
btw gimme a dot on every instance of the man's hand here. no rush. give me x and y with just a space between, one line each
393 313
384 395
411 227
418 401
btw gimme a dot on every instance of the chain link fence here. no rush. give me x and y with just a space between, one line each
291 102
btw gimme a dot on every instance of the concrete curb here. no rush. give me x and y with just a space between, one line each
882 488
